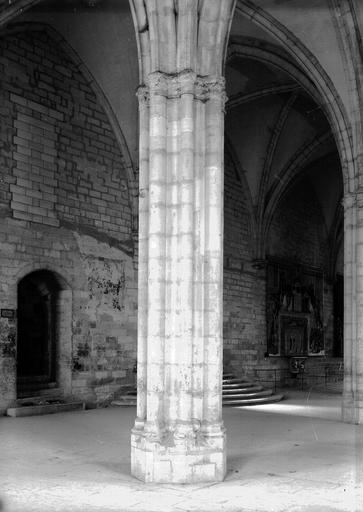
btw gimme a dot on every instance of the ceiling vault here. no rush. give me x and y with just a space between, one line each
271 150
289 172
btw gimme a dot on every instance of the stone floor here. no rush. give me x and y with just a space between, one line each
291 456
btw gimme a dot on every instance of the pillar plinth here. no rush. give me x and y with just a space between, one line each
178 434
181 453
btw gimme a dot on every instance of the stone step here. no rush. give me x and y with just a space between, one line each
24 382
30 386
35 407
39 393
46 395
233 380
253 401
241 390
240 384
243 396
235 391
125 401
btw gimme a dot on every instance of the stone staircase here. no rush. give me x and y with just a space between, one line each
37 399
125 397
239 392
236 392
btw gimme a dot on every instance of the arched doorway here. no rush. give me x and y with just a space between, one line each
38 294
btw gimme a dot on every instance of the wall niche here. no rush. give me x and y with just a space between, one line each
294 303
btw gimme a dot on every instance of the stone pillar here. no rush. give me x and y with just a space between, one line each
352 407
178 434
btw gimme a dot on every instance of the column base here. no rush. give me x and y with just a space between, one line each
181 454
352 410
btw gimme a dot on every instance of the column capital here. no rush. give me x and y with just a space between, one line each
211 87
171 85
157 83
186 82
143 95
353 199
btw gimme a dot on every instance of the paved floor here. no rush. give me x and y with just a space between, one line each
292 456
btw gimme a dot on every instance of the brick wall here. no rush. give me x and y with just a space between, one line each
64 206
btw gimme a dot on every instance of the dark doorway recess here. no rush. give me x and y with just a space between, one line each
37 327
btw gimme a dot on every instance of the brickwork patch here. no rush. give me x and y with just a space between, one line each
35 154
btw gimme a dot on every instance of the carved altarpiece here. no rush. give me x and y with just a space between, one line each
294 310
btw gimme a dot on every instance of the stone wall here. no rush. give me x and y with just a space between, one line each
298 235
297 231
65 206
244 285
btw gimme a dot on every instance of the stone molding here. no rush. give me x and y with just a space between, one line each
173 86
194 432
174 441
183 455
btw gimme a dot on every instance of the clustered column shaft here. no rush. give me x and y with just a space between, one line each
179 434
352 408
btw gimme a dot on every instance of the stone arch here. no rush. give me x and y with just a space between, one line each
64 279
62 276
268 53
63 304
14 9
100 96
306 63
